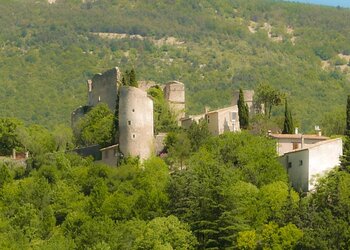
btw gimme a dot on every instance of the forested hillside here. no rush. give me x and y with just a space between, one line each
48 51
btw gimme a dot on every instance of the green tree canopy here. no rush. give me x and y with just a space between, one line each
267 96
96 127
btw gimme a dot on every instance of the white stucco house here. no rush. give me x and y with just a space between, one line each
289 142
305 165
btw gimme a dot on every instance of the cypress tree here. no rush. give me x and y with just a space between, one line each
345 159
243 111
123 81
288 127
132 78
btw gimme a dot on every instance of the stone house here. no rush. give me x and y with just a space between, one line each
223 120
219 121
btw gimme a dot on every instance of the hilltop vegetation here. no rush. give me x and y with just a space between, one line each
48 51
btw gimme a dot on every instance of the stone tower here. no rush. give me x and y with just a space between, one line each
174 93
248 98
135 123
104 88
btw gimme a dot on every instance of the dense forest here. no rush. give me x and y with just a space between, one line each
48 51
225 192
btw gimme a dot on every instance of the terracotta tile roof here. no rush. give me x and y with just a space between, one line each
298 136
315 145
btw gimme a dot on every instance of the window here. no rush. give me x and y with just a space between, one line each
289 165
129 122
133 110
133 136
295 145
207 118
233 116
300 162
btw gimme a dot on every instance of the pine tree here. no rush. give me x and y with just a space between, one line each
345 159
288 127
243 111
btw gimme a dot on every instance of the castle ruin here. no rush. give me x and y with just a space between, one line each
136 134
101 88
135 109
104 88
174 93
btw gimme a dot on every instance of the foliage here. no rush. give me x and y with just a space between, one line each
95 127
178 146
164 120
333 122
267 96
345 159
47 56
198 134
243 111
8 137
230 193
288 126
129 78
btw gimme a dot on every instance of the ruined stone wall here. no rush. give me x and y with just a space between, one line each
174 93
78 113
136 134
104 88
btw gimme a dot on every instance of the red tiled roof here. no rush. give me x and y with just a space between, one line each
298 136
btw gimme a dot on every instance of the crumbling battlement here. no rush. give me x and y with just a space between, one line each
104 88
79 113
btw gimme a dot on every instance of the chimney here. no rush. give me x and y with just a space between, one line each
296 131
302 141
206 109
318 131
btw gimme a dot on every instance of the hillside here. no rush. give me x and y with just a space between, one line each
48 51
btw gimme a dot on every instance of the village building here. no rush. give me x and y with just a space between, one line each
305 165
219 121
306 157
110 155
223 120
289 142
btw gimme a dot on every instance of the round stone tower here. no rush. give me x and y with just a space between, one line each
135 123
